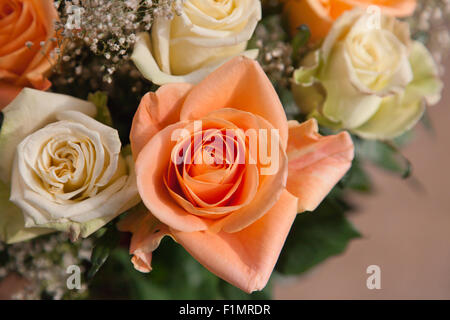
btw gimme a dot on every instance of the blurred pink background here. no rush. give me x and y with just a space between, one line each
406 231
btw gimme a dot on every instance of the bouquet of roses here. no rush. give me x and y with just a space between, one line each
233 127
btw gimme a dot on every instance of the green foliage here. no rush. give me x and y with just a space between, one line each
100 99
421 36
299 41
175 275
289 105
426 121
316 236
356 178
384 154
102 249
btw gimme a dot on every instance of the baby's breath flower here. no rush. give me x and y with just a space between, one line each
43 262
430 24
109 27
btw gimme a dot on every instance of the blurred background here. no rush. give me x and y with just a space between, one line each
405 228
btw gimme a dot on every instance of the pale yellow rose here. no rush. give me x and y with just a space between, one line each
368 77
193 44
61 169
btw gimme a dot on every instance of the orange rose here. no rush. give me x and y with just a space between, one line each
25 22
224 173
319 15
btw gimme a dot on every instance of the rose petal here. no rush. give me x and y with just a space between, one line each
109 138
316 163
398 8
207 40
31 21
147 235
401 112
150 179
8 93
147 65
240 84
12 228
258 194
319 15
155 112
308 12
29 111
246 258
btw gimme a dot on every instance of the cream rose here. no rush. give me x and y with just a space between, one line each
65 169
371 77
193 44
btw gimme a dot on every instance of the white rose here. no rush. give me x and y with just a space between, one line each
193 44
364 64
367 77
65 169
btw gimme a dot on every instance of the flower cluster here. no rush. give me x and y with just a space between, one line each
109 27
203 91
275 54
42 264
430 24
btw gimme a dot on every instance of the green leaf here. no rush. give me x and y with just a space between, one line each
289 105
100 99
316 236
384 154
421 36
300 40
428 124
126 151
356 178
175 275
102 249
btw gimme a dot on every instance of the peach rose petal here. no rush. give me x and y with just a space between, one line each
141 261
21 66
320 15
316 163
210 213
7 93
26 28
147 235
246 258
9 61
311 13
209 194
240 84
241 194
269 192
269 186
8 21
151 168
155 112
397 8
46 12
